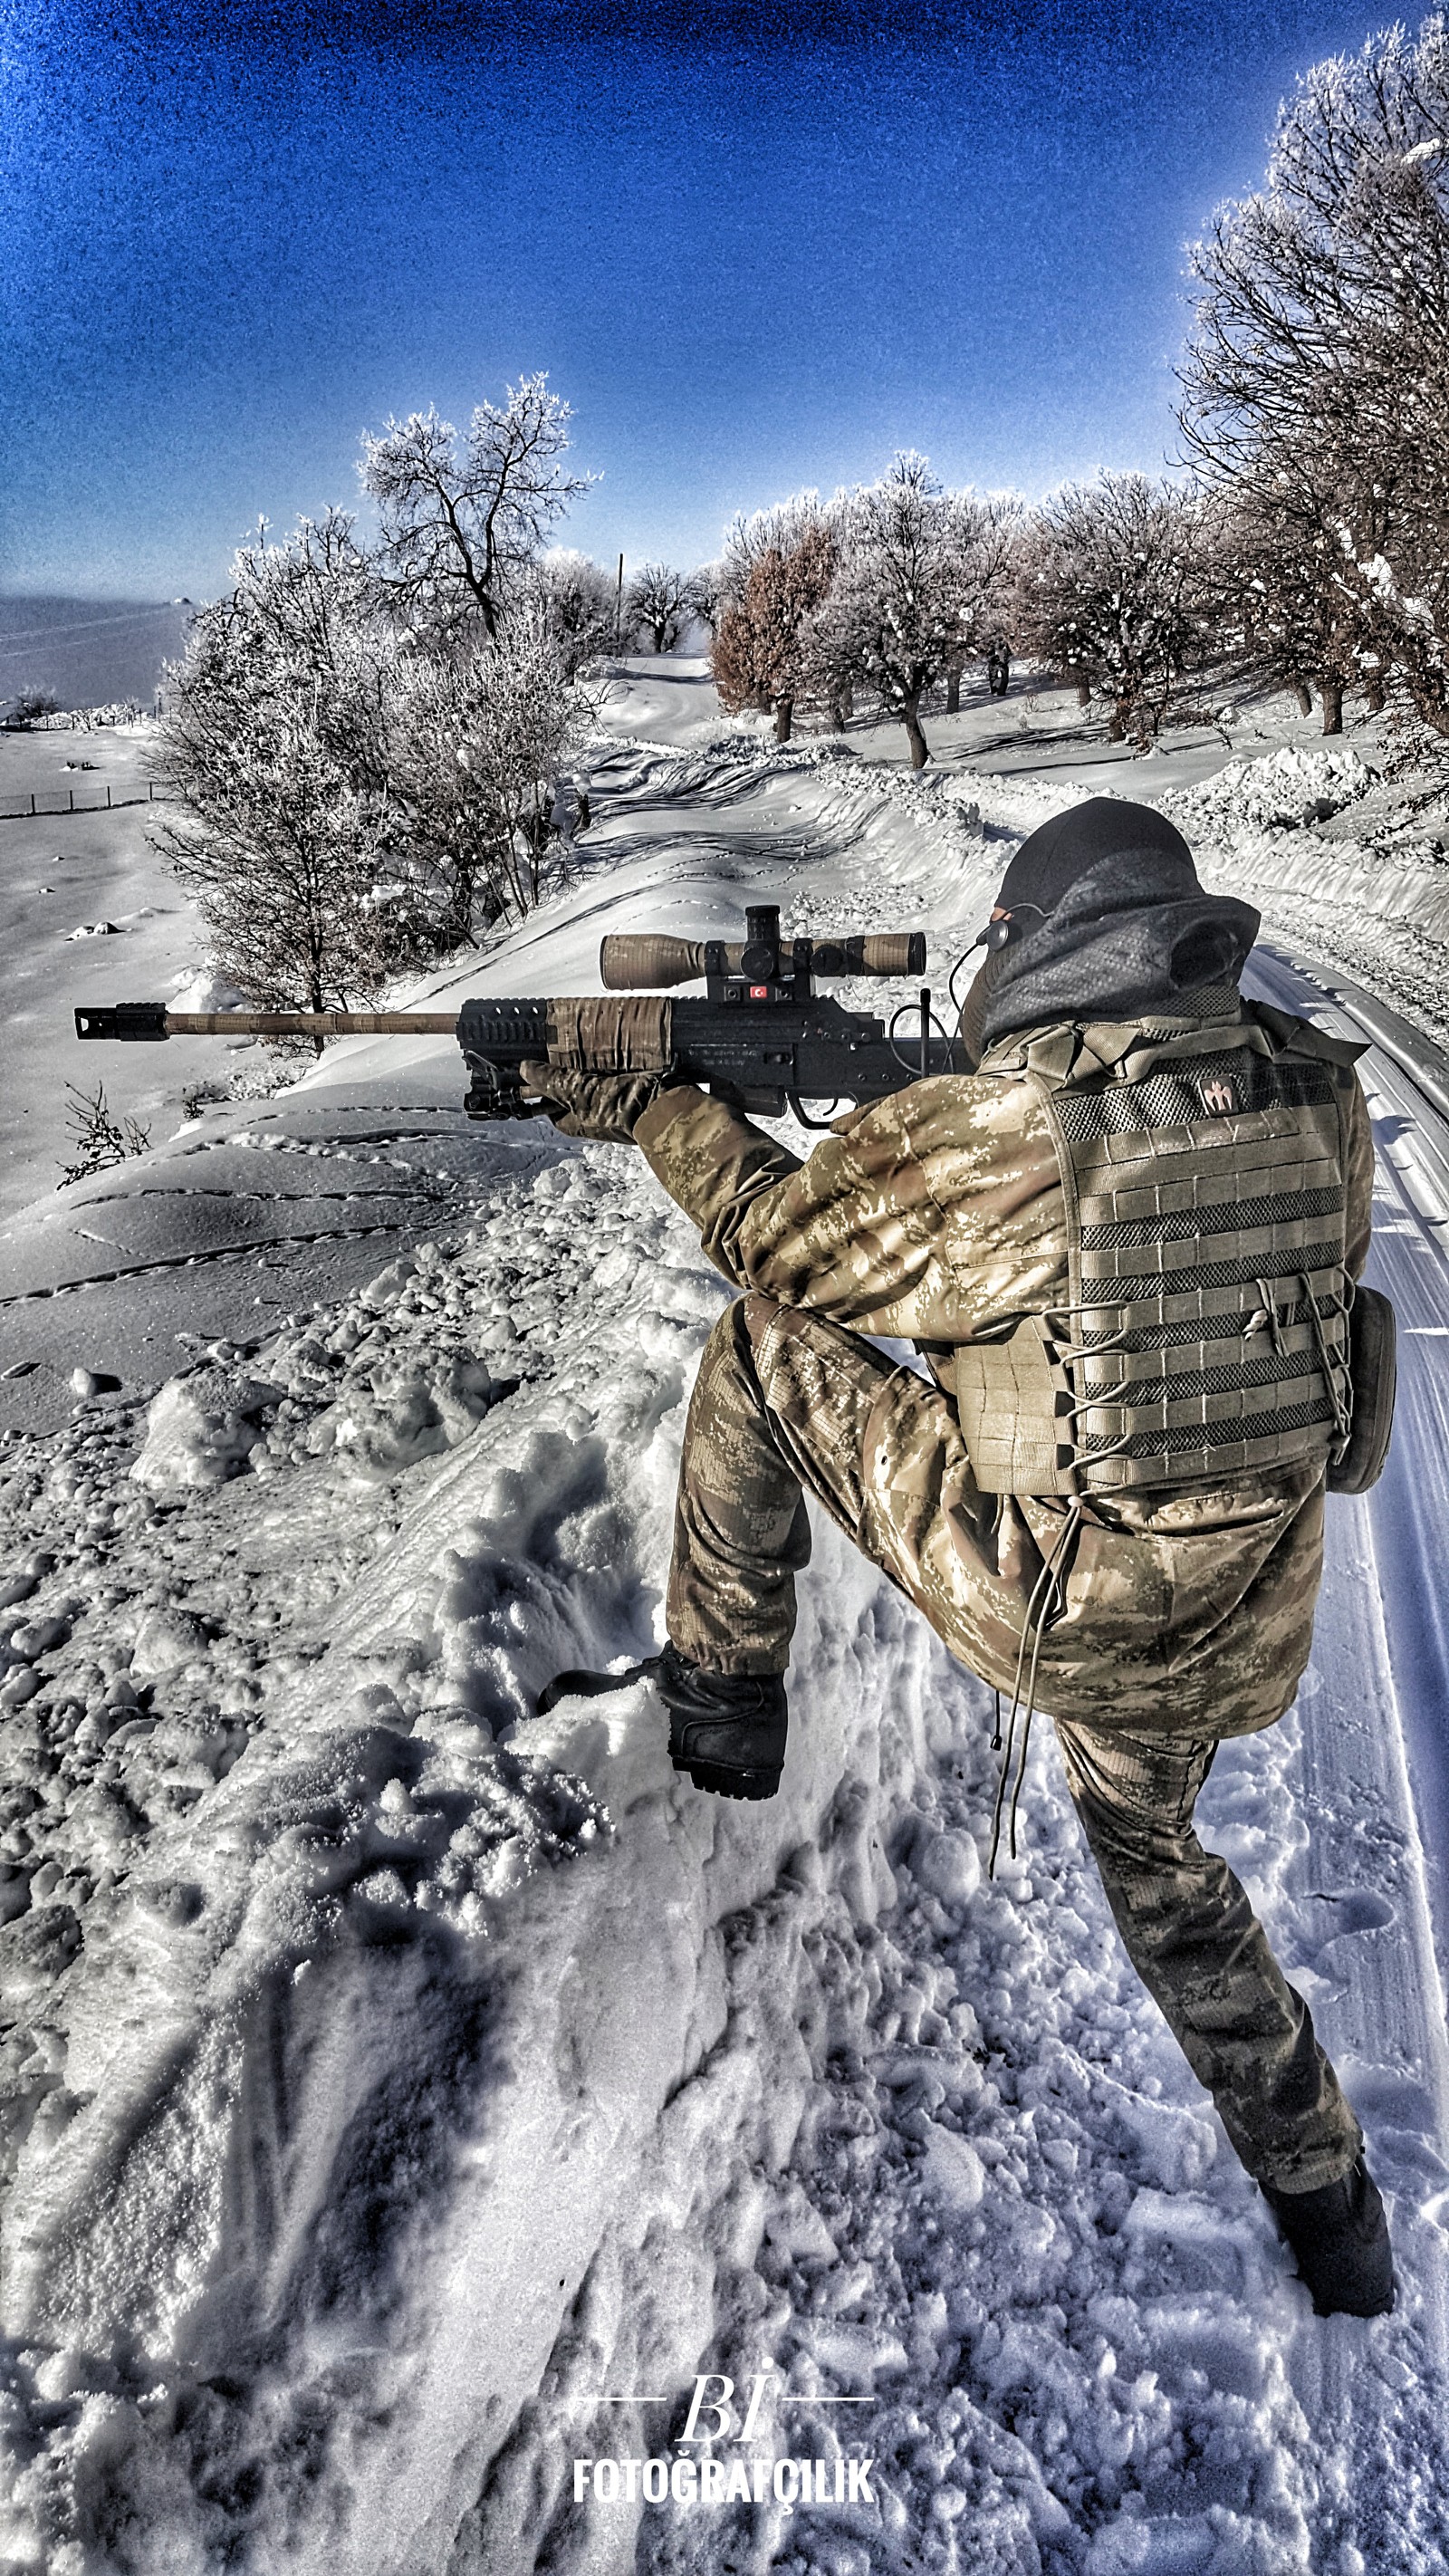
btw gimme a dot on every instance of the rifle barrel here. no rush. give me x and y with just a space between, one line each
310 1024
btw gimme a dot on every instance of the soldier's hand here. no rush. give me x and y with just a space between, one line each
603 1106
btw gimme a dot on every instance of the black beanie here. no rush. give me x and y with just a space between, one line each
1109 921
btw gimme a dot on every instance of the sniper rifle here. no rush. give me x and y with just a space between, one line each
762 1037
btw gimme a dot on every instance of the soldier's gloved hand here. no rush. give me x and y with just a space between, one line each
603 1106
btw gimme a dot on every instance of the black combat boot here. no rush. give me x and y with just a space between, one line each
727 1730
1341 2239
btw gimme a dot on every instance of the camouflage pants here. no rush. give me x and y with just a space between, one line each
788 1403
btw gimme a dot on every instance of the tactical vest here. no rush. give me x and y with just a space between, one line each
1205 1326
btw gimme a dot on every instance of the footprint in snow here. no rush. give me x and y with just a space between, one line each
1356 1909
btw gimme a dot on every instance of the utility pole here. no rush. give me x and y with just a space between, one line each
619 610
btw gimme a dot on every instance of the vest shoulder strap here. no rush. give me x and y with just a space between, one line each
1292 1036
1083 1050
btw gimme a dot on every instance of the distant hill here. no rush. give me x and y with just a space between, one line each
90 652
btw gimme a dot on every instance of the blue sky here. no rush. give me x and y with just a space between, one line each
756 249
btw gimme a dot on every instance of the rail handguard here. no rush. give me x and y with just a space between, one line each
762 1037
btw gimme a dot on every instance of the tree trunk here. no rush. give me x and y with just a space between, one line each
1375 697
839 713
1332 691
1117 721
910 718
784 718
953 690
1304 697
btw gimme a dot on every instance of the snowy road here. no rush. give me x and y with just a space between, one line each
1407 1516
406 2095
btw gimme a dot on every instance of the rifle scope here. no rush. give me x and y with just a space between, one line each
643 963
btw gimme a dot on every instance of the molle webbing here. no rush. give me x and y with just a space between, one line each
1205 1329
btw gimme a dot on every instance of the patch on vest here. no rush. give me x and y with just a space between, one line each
1218 1094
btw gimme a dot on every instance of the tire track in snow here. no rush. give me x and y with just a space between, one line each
1371 1782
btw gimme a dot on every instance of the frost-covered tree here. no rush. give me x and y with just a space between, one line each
1279 607
480 738
905 608
1110 588
365 747
1319 360
576 597
356 800
31 706
659 603
277 750
776 577
463 519
982 534
706 593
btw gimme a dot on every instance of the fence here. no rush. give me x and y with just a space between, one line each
112 805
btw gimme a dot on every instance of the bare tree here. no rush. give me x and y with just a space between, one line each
1316 383
1110 587
1279 604
778 570
659 603
463 519
706 595
98 1139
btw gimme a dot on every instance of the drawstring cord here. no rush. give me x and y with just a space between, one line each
1042 1579
1045 1602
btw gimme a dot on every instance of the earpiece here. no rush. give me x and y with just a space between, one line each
1003 925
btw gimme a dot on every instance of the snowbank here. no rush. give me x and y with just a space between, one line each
1338 864
1278 791
405 2096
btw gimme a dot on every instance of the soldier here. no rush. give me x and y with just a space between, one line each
1123 1247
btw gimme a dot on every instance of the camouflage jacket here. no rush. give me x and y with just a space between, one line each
932 1215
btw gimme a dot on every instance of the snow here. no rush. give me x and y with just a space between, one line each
63 879
1337 860
406 2096
1284 789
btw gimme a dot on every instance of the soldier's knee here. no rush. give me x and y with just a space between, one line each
1119 1838
754 1314
729 1337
